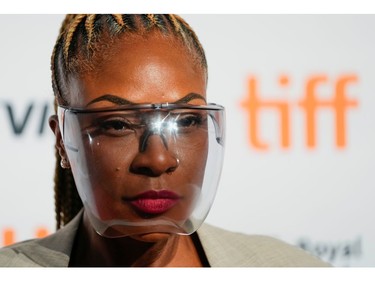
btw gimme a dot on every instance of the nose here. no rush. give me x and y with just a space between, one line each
154 158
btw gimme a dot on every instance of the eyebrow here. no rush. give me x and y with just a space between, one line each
121 101
189 97
111 98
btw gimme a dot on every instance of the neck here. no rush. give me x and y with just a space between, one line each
157 250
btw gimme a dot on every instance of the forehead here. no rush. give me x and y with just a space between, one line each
142 69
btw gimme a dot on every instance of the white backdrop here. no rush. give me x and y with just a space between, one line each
315 195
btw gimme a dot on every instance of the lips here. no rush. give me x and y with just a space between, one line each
154 202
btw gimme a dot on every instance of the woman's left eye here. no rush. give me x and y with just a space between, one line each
190 120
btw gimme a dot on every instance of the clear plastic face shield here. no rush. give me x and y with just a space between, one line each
145 168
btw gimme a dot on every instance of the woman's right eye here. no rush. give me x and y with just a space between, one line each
115 126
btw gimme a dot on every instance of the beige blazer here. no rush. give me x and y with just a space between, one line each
223 249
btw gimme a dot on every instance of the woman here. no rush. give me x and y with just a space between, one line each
140 149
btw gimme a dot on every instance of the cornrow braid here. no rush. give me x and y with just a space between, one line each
82 38
128 22
152 19
70 33
175 23
89 25
67 200
119 19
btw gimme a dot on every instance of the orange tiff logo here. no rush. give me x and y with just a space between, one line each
9 235
310 103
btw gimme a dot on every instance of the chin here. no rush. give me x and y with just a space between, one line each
153 237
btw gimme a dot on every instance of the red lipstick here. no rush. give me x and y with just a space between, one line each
154 202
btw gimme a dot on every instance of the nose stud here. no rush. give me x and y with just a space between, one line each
172 169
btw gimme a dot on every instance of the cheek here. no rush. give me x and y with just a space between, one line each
193 162
108 179
107 164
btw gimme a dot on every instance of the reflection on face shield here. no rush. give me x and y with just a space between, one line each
183 124
100 143
157 128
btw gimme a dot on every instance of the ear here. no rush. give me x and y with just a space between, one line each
54 125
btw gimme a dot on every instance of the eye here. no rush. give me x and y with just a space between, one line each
115 126
189 121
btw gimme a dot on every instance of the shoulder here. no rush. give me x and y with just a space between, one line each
226 248
14 256
51 251
31 253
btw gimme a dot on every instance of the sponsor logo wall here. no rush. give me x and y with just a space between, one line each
300 156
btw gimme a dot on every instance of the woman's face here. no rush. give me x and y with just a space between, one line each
127 180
